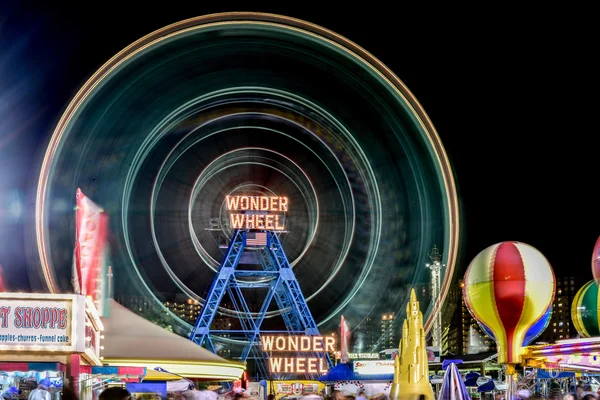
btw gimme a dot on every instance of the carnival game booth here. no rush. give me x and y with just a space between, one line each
374 377
132 341
296 388
50 337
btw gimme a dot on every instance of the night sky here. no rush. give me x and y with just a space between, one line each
506 90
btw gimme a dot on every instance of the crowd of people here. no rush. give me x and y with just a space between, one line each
584 391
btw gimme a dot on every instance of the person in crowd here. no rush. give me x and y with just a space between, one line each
338 395
587 393
555 390
590 396
11 393
41 392
568 396
579 391
361 395
115 393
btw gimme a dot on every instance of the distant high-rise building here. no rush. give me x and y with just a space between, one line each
389 338
452 322
560 326
141 305
365 338
184 307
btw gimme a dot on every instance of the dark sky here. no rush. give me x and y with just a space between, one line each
507 89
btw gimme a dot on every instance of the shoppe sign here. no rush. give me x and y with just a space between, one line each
42 322
372 367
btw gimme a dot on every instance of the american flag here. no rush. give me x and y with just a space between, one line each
256 238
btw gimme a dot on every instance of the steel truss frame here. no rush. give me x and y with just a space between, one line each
282 286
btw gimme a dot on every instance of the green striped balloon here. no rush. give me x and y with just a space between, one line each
585 310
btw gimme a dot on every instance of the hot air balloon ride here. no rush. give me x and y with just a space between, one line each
533 333
509 287
596 261
585 310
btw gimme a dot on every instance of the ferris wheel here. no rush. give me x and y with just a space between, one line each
265 105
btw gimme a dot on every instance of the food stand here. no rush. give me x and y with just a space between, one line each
48 336
374 377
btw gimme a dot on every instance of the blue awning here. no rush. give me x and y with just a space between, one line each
345 372
544 374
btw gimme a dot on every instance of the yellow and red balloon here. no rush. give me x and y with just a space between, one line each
596 261
508 287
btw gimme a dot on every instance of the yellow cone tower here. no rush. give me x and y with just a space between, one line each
411 368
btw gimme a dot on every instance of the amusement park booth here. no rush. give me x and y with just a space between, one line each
375 377
132 341
52 337
293 388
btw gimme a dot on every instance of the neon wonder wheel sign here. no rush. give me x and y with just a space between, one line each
286 353
257 212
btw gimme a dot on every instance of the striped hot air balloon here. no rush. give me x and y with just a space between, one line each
596 261
508 287
585 310
533 332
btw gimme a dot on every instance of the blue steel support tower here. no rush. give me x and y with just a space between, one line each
281 285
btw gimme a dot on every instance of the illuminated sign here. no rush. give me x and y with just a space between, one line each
93 328
363 356
379 367
297 388
298 344
42 322
257 212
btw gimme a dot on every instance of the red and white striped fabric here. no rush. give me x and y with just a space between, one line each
344 339
89 261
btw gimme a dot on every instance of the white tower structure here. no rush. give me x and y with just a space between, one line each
436 271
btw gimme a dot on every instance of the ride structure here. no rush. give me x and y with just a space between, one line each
274 274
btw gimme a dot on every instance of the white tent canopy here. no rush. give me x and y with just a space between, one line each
131 340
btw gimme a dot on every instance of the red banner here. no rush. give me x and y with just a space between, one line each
91 234
2 282
344 340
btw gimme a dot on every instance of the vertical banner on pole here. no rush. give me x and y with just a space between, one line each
2 281
91 255
344 340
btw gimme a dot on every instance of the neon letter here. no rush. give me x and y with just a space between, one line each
283 204
237 221
280 343
232 202
275 364
329 343
267 342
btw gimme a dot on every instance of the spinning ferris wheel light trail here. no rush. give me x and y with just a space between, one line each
260 105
